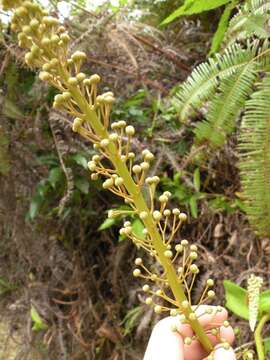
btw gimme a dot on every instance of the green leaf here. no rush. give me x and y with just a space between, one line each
222 27
55 176
191 7
236 299
137 228
267 347
35 205
193 206
80 160
130 321
82 184
197 179
38 322
107 223
265 302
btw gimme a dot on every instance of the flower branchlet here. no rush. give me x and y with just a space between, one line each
123 172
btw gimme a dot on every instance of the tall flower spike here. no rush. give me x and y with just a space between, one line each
124 173
254 287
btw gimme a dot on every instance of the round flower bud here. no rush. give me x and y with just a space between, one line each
163 199
176 212
138 261
168 254
44 76
192 316
211 294
131 155
179 248
149 156
136 272
143 215
167 212
50 21
149 180
174 328
209 310
73 81
168 194
80 77
145 231
174 312
144 165
157 215
55 39
158 309
66 95
153 276
185 304
226 324
146 288
130 131
214 331
122 124
29 58
94 177
77 123
210 282
155 180
104 142
136 169
65 38
113 137
92 165
108 100
78 56
193 255
26 29
45 42
94 79
108 183
149 301
184 242
188 341
34 24
226 345
96 158
193 248
182 216
194 269
119 181
46 67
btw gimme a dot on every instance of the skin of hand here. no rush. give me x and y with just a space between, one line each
165 344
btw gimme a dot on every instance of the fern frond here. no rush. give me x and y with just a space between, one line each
251 20
254 152
226 106
205 78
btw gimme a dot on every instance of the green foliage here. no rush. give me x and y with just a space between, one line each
131 319
251 19
237 300
254 150
191 7
4 155
38 323
222 27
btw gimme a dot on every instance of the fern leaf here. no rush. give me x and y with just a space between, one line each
251 20
205 78
254 152
226 106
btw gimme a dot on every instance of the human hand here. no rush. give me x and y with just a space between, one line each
165 344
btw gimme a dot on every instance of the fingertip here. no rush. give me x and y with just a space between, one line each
224 354
227 333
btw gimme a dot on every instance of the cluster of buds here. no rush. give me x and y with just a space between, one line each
124 173
254 286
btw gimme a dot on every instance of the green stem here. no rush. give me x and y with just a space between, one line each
258 337
141 206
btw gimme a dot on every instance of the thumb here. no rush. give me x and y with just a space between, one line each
163 343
